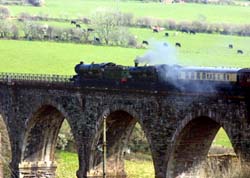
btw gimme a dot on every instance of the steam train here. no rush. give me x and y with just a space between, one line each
161 77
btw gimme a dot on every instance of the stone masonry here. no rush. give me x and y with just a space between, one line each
179 127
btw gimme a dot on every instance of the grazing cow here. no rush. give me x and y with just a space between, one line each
192 32
90 29
46 37
78 26
184 30
97 40
178 44
73 22
145 42
56 37
239 51
166 34
230 46
155 30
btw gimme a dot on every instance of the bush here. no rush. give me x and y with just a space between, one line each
4 12
138 141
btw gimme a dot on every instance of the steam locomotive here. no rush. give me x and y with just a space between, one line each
161 77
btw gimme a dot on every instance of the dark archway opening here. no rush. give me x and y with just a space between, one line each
120 126
5 152
190 156
38 154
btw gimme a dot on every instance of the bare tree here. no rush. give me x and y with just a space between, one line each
4 12
107 24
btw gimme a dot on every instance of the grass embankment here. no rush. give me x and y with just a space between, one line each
179 11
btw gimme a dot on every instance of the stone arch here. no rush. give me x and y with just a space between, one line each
5 149
120 124
191 143
38 151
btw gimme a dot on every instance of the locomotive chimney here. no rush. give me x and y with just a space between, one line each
136 62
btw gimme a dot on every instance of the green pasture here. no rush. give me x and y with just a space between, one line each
177 11
221 139
67 165
57 58
60 58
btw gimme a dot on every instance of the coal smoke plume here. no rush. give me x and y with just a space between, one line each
159 53
164 57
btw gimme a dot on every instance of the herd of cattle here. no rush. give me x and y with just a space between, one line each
156 29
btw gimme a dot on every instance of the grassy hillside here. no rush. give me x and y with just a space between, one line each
57 58
180 12
60 58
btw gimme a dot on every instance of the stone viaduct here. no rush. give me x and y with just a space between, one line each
179 127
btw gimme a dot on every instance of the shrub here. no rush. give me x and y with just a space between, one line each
14 31
4 12
144 22
132 41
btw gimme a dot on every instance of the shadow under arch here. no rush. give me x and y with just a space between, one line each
5 151
120 125
38 151
192 142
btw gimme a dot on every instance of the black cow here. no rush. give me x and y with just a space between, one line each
178 44
239 51
230 46
78 26
155 30
90 29
73 22
145 42
56 37
166 34
97 40
192 32
46 37
184 30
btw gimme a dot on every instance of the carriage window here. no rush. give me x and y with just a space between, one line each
186 75
227 76
219 76
198 75
203 75
224 76
213 76
208 76
192 75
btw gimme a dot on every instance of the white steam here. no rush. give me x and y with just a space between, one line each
159 53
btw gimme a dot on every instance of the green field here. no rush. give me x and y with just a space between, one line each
179 12
57 58
68 165
60 58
